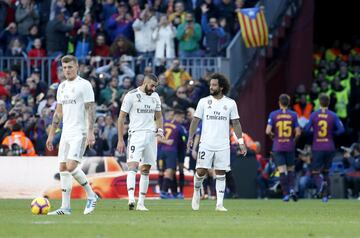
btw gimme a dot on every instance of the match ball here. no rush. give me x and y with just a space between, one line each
40 206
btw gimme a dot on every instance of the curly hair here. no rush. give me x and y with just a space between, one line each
223 82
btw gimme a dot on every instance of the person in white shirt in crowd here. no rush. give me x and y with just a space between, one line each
164 36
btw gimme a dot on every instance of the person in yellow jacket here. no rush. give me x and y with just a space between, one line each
176 76
340 93
19 138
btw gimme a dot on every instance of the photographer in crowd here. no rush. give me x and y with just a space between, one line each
18 143
351 161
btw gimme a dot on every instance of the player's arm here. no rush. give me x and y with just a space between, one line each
54 125
297 128
121 121
90 112
268 130
308 125
339 126
193 126
238 132
159 125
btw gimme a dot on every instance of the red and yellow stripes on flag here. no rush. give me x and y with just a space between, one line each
253 26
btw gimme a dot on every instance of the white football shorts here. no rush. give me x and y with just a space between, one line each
72 148
142 147
219 160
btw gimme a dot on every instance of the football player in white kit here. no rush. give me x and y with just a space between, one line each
143 105
76 108
216 111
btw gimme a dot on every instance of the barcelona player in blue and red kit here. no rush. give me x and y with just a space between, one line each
169 152
324 124
284 129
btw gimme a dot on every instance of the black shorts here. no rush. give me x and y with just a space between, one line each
322 160
167 160
284 158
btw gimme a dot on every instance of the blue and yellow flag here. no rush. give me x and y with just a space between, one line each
254 29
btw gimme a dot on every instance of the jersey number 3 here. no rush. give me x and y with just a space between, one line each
323 125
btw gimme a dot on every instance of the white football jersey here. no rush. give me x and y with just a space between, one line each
216 115
73 95
141 109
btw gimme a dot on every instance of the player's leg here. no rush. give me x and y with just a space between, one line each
280 162
168 182
316 168
160 167
328 158
290 166
65 181
204 162
181 178
221 165
150 154
169 175
135 150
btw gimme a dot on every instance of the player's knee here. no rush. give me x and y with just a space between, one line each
201 172
71 165
220 177
133 169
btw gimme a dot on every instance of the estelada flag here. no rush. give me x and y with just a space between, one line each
254 29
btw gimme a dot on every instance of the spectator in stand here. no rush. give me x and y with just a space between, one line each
354 105
179 15
189 36
30 38
303 109
163 89
212 11
127 84
8 35
180 100
135 8
340 96
108 9
164 36
226 9
200 88
4 92
108 134
94 8
122 46
56 38
176 76
226 39
18 143
15 49
26 15
111 93
84 43
143 28
101 48
119 24
36 52
351 161
213 33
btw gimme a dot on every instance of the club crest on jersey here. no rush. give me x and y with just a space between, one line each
225 108
209 102
138 97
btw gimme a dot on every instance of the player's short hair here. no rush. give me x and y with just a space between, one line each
179 111
223 82
16 127
68 59
324 100
284 100
152 76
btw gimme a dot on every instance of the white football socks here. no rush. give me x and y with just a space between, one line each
220 189
130 182
66 182
198 180
80 176
143 187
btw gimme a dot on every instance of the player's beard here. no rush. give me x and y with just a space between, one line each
214 92
148 91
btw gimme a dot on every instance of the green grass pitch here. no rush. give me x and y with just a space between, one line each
174 218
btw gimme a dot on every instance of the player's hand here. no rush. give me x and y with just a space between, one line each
90 139
121 146
190 144
49 144
243 150
160 134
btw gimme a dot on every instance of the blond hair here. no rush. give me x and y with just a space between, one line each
68 59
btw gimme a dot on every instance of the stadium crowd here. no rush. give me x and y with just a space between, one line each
143 29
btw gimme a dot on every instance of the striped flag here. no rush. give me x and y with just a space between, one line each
254 29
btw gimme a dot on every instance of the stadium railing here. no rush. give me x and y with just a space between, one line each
195 66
